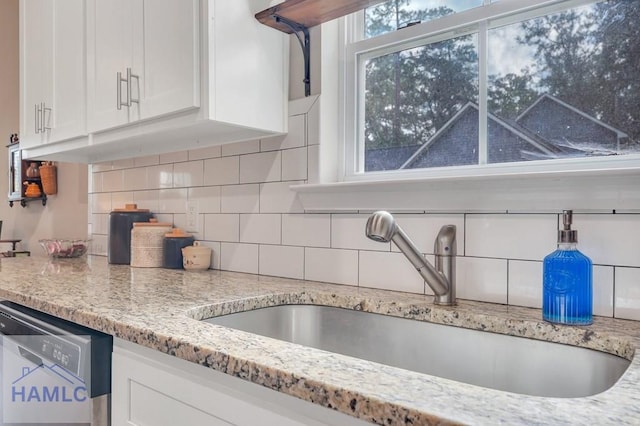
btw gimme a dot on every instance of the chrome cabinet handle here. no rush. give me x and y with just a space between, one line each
44 118
130 98
119 81
37 119
41 117
118 95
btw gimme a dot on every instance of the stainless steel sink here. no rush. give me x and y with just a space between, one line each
497 361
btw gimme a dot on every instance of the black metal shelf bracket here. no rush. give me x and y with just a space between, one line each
304 44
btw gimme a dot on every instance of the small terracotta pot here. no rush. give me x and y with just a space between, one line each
32 190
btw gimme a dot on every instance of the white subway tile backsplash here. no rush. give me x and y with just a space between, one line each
239 257
260 228
347 232
389 271
272 143
422 229
331 265
204 153
281 261
240 198
165 217
147 200
100 223
627 293
174 157
254 223
511 236
208 198
101 167
276 197
113 181
246 147
120 199
311 230
222 171
481 279
180 221
135 179
294 164
160 176
215 253
150 160
222 227
96 182
296 137
188 174
313 165
525 283
313 124
126 163
603 290
261 167
99 244
172 200
611 239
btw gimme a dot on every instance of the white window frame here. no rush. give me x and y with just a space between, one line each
477 20
596 184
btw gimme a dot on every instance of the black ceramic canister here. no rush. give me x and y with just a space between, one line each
120 226
172 248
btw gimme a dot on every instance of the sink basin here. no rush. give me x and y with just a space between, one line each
508 363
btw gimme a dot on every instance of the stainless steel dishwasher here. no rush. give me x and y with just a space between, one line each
52 371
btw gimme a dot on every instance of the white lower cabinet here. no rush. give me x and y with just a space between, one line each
155 389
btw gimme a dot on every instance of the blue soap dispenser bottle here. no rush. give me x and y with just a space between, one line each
567 295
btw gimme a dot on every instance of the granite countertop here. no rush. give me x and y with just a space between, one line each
159 308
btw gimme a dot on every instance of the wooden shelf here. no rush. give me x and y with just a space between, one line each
310 13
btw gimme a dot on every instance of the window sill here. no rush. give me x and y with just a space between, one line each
549 191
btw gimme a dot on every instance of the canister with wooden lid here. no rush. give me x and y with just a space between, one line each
173 243
196 257
147 243
121 222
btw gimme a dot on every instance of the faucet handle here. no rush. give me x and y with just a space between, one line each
445 244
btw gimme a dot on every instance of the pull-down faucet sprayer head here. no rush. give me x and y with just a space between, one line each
381 227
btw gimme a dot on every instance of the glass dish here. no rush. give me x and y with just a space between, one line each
62 248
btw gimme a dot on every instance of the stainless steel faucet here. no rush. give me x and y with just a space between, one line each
382 227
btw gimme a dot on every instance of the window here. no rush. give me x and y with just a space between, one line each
462 85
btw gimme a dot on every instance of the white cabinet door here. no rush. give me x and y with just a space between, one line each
168 57
153 44
52 71
67 117
110 31
36 58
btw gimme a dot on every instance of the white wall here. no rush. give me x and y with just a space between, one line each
65 214
256 224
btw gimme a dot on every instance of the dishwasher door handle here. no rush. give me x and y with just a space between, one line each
30 356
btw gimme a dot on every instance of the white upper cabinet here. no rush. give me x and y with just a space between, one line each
170 57
143 60
168 75
109 54
52 71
